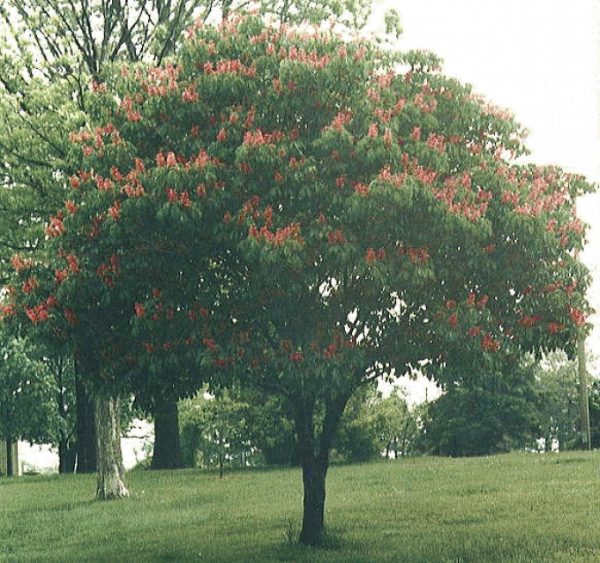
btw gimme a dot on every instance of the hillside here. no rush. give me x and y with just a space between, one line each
521 507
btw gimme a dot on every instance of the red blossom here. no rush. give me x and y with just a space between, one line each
30 285
55 227
361 189
61 275
577 316
296 357
70 317
453 320
71 206
221 135
555 328
489 344
7 311
528 321
210 344
73 263
140 310
19 263
336 237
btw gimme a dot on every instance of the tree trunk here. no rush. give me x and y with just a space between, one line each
313 519
9 457
85 429
314 455
584 407
110 460
167 443
66 456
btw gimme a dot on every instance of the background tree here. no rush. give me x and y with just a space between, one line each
249 210
489 413
28 393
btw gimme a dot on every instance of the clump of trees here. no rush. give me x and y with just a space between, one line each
299 215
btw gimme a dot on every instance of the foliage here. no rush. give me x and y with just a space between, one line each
515 507
214 431
497 412
28 393
373 425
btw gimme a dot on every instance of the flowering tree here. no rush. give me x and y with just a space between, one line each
305 214
51 50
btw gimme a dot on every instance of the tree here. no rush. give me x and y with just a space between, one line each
52 51
496 412
216 427
396 425
27 396
288 208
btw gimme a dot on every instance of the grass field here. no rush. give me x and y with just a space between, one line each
520 507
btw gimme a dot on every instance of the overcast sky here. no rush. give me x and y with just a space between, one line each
541 60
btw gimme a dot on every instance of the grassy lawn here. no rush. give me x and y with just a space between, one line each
520 507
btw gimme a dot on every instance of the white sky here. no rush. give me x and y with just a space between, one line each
541 60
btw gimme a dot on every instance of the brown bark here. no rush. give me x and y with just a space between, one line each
314 456
167 444
9 457
85 428
110 459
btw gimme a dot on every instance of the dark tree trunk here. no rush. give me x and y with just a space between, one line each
110 459
314 455
9 457
313 519
167 443
85 429
67 456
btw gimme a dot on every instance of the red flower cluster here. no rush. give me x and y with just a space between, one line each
278 238
529 321
30 285
55 227
19 263
372 255
7 311
296 357
71 317
336 237
258 137
489 344
577 316
182 198
360 189
40 312
555 328
108 272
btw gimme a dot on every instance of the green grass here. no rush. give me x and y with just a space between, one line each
519 507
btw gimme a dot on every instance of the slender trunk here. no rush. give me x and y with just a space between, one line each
584 407
66 456
110 460
313 519
314 456
9 457
85 429
167 443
